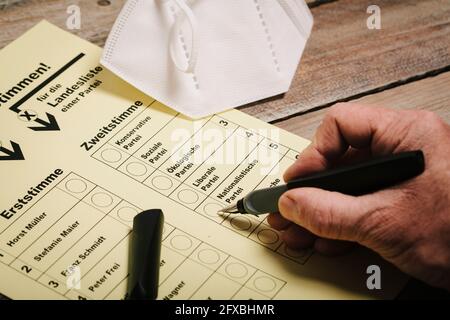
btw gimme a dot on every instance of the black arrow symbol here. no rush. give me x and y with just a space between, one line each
16 154
50 125
15 107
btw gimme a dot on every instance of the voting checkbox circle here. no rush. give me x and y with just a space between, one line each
136 169
111 155
268 236
101 199
208 256
296 254
241 223
127 213
264 284
181 242
211 209
76 185
236 270
162 182
187 196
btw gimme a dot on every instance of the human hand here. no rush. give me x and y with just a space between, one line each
408 224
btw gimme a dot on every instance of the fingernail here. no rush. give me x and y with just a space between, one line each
287 206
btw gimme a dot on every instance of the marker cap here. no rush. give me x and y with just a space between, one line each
145 255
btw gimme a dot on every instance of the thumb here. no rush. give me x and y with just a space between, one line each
327 214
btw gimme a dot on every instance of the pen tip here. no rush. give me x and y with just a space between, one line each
230 209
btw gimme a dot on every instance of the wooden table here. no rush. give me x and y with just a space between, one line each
405 64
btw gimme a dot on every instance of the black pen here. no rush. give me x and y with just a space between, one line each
357 179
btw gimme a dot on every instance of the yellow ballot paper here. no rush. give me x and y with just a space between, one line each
82 152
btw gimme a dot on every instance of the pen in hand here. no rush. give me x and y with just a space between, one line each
357 179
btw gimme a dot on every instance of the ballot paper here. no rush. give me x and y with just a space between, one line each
82 152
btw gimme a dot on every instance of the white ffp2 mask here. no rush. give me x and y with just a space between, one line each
201 57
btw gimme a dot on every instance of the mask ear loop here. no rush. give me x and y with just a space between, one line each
185 13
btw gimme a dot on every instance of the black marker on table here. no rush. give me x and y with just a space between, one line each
358 179
145 255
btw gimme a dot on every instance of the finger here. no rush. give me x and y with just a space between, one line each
345 125
309 161
351 125
298 238
326 214
277 221
333 247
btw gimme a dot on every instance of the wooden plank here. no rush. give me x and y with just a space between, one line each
96 19
428 94
343 58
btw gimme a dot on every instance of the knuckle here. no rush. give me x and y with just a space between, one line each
429 119
337 110
429 116
329 118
